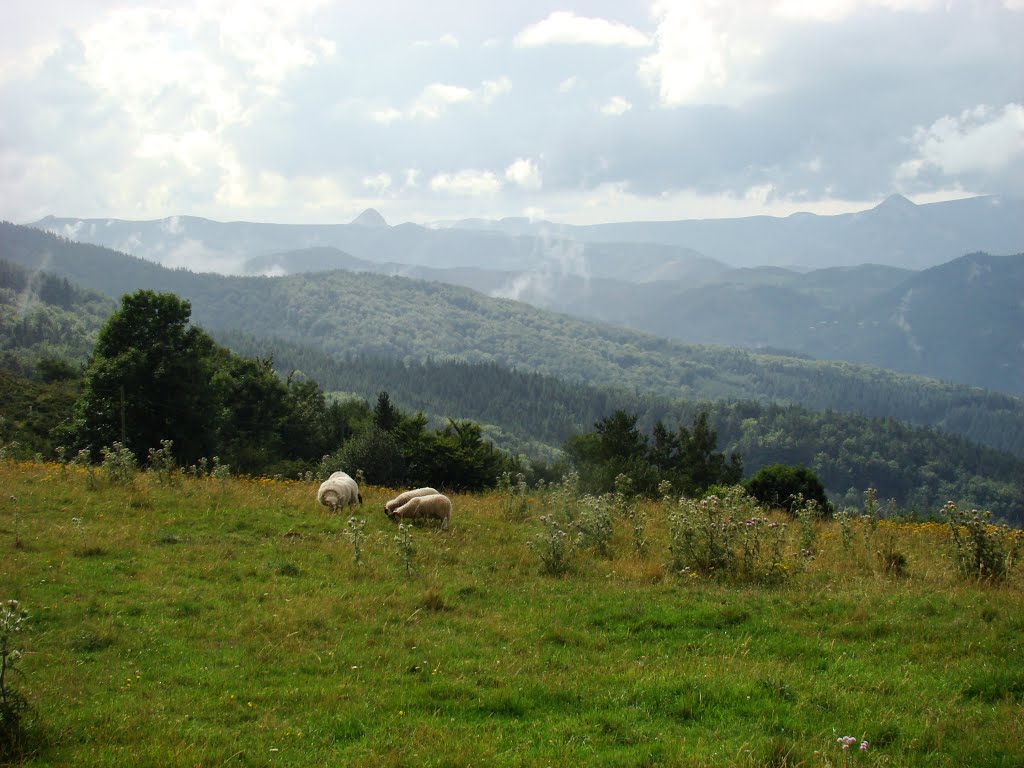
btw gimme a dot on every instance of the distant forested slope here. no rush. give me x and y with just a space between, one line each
532 414
342 312
44 316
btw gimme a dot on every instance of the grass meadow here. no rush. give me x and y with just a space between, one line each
224 622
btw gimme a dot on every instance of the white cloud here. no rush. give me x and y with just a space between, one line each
492 89
616 106
378 183
436 98
524 173
979 140
265 37
709 51
705 51
175 85
28 61
466 183
255 109
566 28
385 116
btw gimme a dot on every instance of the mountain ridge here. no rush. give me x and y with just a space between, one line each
346 313
896 232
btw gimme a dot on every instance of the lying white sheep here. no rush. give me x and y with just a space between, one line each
433 507
400 499
339 490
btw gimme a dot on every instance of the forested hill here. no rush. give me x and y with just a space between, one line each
46 317
533 414
342 312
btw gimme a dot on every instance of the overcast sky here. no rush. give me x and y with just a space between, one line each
309 111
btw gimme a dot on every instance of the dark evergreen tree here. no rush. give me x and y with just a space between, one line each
699 464
385 416
458 457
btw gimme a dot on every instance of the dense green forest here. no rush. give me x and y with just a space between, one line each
534 414
342 313
44 317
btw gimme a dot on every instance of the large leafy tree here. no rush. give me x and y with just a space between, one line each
252 410
150 380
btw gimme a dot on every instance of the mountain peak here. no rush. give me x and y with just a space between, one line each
369 218
896 202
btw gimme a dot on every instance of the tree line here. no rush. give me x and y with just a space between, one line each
271 414
153 377
919 467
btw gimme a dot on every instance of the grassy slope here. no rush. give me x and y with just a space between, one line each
225 624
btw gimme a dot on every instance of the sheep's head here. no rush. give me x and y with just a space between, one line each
394 518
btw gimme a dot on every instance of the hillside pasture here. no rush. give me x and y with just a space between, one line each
224 622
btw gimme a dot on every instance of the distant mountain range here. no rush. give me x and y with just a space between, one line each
895 233
344 313
878 311
962 321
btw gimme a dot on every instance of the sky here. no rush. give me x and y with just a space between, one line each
310 111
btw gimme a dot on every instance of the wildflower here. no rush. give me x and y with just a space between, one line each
864 746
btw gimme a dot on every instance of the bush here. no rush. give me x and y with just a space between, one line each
784 486
726 536
984 550
377 454
14 707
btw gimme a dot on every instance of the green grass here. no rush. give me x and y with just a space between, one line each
224 623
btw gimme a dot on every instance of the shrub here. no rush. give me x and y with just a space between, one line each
162 463
983 550
406 547
782 485
513 496
553 545
14 708
376 453
726 535
354 533
595 523
702 535
119 464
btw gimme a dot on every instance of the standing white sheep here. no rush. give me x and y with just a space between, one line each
400 499
339 490
436 506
